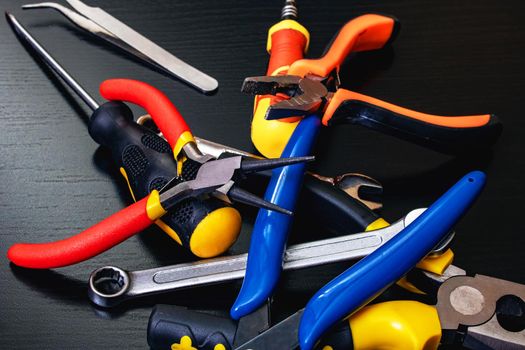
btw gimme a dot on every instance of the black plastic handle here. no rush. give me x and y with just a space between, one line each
443 138
327 205
147 163
170 325
334 209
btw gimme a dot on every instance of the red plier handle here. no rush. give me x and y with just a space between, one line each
129 221
165 115
90 242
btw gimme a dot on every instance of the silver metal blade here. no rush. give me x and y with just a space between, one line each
253 324
74 17
282 336
155 53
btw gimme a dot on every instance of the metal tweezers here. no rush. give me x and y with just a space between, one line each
98 22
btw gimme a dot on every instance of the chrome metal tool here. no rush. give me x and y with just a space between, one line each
101 24
361 187
110 285
351 183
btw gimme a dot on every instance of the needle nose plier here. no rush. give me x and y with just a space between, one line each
216 177
205 227
210 176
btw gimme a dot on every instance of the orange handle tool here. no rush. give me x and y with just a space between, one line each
445 134
287 42
166 116
453 135
364 33
87 244
285 45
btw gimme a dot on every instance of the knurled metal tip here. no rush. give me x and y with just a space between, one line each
255 165
239 195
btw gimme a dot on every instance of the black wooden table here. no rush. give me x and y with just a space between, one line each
450 58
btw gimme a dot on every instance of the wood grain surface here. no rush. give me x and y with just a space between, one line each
451 57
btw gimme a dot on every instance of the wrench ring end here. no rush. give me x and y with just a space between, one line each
107 286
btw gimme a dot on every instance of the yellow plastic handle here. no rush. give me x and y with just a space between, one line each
396 325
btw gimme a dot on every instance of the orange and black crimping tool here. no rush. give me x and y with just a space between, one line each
311 86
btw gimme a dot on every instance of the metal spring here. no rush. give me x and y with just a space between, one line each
289 10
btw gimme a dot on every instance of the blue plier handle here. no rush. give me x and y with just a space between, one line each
358 285
363 281
270 232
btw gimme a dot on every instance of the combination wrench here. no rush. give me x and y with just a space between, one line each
110 285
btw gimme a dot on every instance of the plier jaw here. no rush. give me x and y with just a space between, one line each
478 312
218 178
305 95
482 311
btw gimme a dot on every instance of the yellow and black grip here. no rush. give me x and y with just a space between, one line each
175 327
408 325
146 162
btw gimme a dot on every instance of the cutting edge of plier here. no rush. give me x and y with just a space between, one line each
477 310
218 178
306 95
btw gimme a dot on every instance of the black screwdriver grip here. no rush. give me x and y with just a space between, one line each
170 325
445 139
146 161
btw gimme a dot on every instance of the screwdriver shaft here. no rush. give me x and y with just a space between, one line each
51 62
289 10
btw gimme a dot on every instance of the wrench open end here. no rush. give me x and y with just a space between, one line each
106 284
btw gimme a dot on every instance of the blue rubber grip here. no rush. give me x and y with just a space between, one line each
366 279
270 232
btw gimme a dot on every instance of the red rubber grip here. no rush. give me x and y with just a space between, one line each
164 113
287 47
87 244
